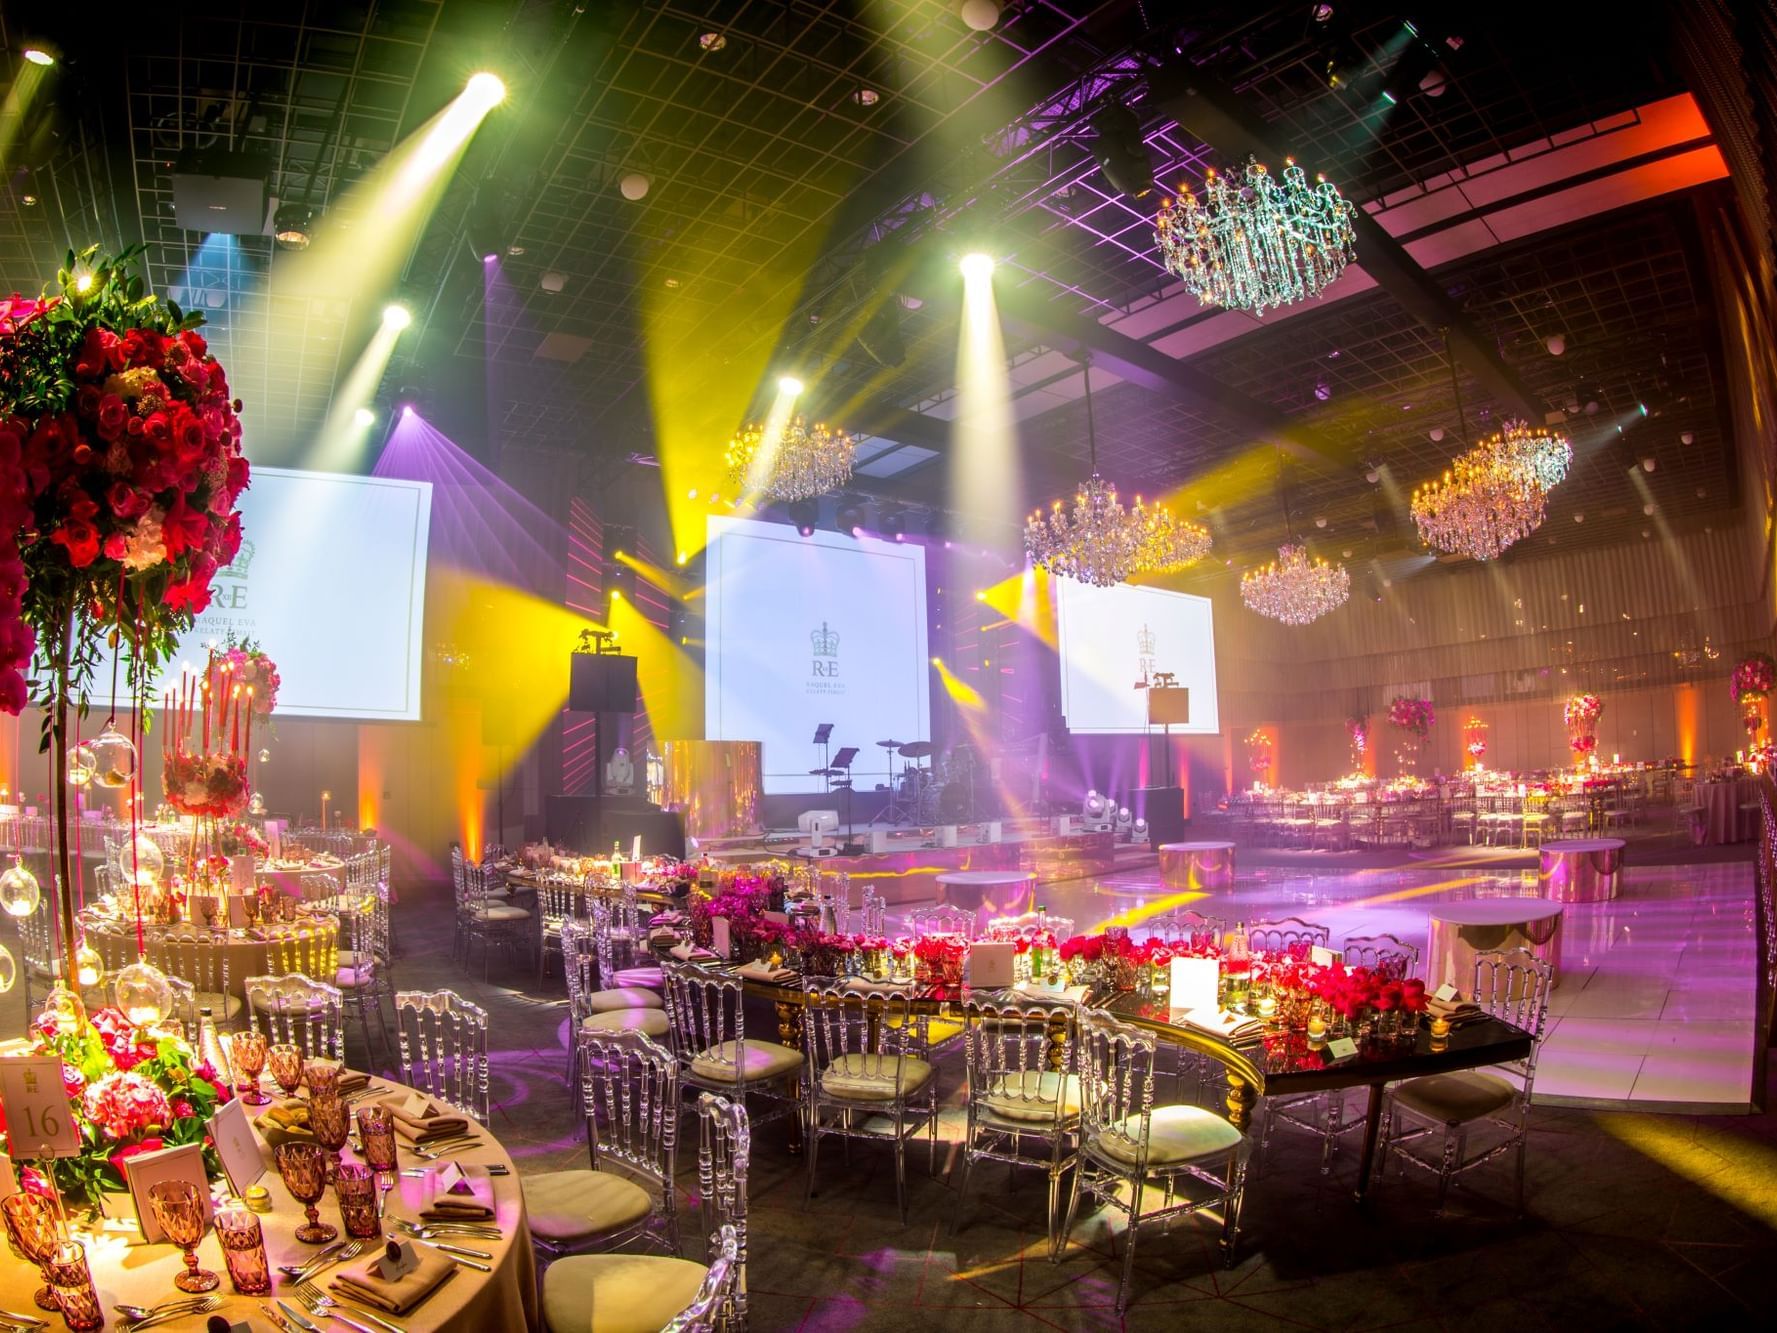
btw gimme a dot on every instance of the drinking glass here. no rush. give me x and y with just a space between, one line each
248 1050
304 1169
285 1059
72 1282
355 1186
376 1130
32 1226
181 1210
330 1121
243 1249
322 1076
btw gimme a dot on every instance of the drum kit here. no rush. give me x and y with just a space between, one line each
941 790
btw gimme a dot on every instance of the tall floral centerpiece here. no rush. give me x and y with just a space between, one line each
1413 717
1753 679
1581 715
120 464
1357 727
1259 754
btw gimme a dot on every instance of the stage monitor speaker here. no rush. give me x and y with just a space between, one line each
602 683
1169 707
1164 809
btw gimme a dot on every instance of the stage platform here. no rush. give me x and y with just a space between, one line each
907 872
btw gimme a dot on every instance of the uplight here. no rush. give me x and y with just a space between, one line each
976 267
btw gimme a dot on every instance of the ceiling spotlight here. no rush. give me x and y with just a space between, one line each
487 89
1320 520
866 96
290 226
1373 475
28 200
789 386
976 266
850 518
1579 518
1556 344
1687 438
1121 151
396 317
1322 13
553 282
1649 464
1322 390
805 514
1437 434
407 409
514 251
672 284
1648 509
633 186
364 417
1434 83
38 56
893 525
712 41
980 15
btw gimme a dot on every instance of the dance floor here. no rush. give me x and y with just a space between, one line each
1654 1007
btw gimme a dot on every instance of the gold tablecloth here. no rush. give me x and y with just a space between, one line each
126 1269
246 957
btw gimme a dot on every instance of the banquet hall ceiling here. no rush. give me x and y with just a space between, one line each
777 185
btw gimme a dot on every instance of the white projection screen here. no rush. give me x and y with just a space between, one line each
331 582
805 630
1110 638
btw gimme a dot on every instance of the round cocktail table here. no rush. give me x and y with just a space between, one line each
988 893
1197 865
1582 870
1460 930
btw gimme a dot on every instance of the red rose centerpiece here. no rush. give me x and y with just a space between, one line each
1753 679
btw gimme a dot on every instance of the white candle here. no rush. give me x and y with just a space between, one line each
635 848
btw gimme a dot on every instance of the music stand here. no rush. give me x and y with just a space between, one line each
843 760
823 733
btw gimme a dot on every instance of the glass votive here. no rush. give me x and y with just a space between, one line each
355 1187
1440 1028
72 1282
376 1131
1317 1030
243 1249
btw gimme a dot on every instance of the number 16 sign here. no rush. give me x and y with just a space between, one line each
39 1121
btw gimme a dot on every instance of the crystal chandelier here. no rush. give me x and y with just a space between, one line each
1295 588
1100 542
1255 241
808 460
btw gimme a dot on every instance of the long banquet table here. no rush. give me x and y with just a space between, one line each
125 1269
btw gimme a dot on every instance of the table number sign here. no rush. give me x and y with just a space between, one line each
1446 993
236 1146
1321 956
38 1120
1194 983
185 1162
1341 1048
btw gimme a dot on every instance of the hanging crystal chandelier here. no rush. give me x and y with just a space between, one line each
1295 588
1100 542
809 460
1255 241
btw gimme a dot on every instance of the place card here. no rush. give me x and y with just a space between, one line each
9 1179
1194 982
452 1179
236 1146
36 1106
1341 1048
1321 956
240 874
991 964
720 943
146 1169
399 1259
1446 993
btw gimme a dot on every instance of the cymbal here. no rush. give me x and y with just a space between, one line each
824 772
890 745
917 750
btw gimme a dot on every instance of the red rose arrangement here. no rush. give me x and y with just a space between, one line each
255 673
1411 715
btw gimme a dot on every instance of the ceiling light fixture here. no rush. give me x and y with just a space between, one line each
807 460
979 15
1257 241
397 317
789 385
712 41
866 96
38 56
976 266
633 186
487 89
1295 588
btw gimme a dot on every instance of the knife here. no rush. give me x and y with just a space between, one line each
455 1249
456 1256
350 1323
29 1321
301 1321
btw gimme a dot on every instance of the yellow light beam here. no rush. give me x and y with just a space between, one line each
962 694
984 475
1027 599
669 583
339 448
670 681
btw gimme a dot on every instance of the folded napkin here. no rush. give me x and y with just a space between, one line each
423 1129
867 984
670 917
457 1208
760 970
361 1282
689 951
352 1081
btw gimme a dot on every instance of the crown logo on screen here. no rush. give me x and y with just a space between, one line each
243 558
1144 641
825 641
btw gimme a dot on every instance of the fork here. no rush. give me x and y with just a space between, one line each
427 1230
350 1250
445 1147
323 1304
204 1306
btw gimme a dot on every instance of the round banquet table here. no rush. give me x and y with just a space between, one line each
247 957
1197 865
988 893
1582 870
125 1269
1720 803
1461 930
287 878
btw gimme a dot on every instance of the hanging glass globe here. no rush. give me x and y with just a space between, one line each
89 967
265 756
9 970
19 890
144 865
82 764
116 758
143 993
256 806
62 1009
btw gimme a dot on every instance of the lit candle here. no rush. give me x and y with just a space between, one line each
1267 1006
635 848
1440 1026
1317 1029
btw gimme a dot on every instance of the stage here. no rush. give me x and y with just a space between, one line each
906 873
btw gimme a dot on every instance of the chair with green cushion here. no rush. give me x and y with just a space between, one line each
595 1012
1024 1104
1131 1150
629 1090
644 1293
708 1016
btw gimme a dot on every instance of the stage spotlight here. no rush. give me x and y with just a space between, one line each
38 56
634 186
976 266
790 386
894 526
397 317
290 226
487 90
850 518
365 417
937 661
1121 153
805 514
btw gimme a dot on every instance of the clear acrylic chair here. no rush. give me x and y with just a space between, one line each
619 936
557 901
299 1010
1276 936
655 1291
1131 1149
707 1013
358 974
201 958
40 963
1183 927
601 1013
488 920
1028 925
1024 1099
443 1040
630 1095
1386 953
868 1076
940 919
1447 1108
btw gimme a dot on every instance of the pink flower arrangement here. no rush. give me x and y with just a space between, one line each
125 1103
1411 715
249 668
1754 677
205 784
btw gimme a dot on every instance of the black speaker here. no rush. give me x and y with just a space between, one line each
1164 809
602 683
